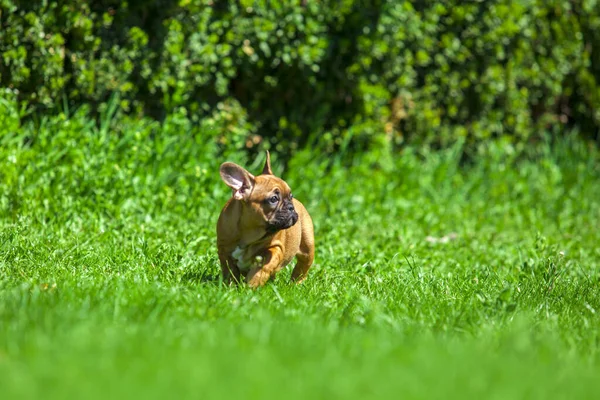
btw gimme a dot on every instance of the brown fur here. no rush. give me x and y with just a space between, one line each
247 248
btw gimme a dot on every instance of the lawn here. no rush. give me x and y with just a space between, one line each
433 278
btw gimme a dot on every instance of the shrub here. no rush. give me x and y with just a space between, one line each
348 73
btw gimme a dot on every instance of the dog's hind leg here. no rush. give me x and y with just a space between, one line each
303 264
306 255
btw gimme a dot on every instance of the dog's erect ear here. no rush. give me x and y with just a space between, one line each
237 178
267 168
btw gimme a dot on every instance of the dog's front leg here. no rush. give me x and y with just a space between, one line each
258 276
229 269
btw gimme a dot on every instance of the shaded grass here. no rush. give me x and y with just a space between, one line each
432 279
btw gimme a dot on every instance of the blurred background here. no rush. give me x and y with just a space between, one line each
340 75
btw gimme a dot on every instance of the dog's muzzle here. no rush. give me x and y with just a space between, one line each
284 218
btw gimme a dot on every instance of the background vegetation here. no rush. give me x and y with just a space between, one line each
445 151
372 73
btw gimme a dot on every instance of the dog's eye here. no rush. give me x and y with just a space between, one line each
291 196
273 199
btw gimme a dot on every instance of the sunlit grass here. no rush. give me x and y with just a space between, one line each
432 278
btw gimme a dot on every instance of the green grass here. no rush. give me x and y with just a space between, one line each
109 282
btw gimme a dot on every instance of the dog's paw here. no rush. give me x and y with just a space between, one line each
257 277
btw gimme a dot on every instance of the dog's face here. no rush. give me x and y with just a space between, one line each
268 199
272 200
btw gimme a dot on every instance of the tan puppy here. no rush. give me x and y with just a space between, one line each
261 228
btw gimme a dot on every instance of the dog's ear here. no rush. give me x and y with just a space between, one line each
267 168
238 179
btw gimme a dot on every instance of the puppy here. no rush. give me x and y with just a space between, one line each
262 227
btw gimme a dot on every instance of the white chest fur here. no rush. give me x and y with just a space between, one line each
245 258
243 262
238 255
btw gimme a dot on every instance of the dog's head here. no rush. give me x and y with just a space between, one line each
267 199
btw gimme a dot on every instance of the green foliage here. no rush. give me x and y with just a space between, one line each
431 280
373 73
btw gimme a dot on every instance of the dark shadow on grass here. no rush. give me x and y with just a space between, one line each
198 277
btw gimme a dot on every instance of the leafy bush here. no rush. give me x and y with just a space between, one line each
359 73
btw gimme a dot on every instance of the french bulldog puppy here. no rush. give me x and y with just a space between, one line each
262 228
